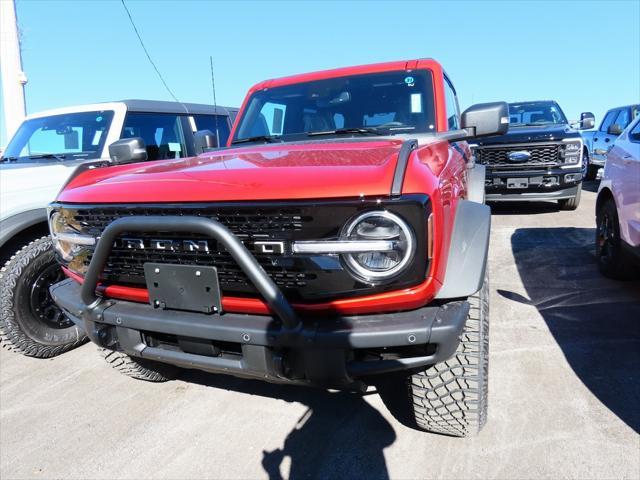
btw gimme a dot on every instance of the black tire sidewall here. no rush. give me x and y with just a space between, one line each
609 265
24 317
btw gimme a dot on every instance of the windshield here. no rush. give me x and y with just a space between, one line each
536 113
70 136
379 103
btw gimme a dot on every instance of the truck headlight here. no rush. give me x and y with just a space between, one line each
66 239
572 151
384 264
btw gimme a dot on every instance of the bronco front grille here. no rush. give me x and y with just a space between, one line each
299 276
546 155
126 262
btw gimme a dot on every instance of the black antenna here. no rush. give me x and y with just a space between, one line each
215 104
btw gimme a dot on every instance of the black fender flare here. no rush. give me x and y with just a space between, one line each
13 225
468 251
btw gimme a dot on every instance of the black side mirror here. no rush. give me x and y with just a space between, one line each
204 140
587 120
128 150
486 119
614 129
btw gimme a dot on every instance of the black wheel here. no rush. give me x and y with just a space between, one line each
140 368
451 397
571 203
30 322
612 261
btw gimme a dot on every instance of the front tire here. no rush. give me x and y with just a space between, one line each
571 203
30 321
612 261
592 172
140 368
451 397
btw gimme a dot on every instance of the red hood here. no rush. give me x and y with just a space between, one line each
264 172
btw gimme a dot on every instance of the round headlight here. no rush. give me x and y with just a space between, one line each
379 266
66 240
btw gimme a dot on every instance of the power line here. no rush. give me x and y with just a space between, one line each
149 56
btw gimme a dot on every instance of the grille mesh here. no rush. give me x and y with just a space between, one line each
547 155
126 263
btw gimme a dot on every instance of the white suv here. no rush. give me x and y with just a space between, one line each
37 162
618 207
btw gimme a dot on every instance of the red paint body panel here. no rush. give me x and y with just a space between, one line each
259 172
318 170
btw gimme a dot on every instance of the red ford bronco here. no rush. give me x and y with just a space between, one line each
339 238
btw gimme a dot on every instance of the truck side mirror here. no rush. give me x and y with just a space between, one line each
587 120
204 140
128 150
484 119
614 129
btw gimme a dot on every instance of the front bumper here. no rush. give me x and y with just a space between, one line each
532 185
329 351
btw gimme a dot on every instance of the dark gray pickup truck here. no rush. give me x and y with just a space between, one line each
539 158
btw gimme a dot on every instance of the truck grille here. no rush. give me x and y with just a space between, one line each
126 263
547 155
299 276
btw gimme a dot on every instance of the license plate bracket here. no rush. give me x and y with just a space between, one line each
517 182
183 287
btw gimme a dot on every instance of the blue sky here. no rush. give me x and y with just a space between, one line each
585 55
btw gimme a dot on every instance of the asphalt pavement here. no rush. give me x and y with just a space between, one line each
564 392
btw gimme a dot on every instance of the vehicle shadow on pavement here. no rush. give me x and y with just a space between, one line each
523 208
595 320
339 436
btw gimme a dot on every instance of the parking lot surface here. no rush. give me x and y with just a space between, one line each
564 390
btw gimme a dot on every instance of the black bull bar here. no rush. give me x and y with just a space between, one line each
323 341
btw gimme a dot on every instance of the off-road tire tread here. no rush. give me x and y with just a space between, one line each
139 368
450 398
12 337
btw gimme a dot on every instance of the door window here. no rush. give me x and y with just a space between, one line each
453 111
634 134
608 120
162 134
210 122
623 118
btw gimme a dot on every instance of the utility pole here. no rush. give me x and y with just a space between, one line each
13 78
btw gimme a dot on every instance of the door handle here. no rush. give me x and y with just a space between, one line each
627 159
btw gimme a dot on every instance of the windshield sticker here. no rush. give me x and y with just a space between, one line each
410 81
416 103
99 118
96 137
174 147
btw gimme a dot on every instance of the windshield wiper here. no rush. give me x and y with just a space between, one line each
346 131
57 156
8 159
257 138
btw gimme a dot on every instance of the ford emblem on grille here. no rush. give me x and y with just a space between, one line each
520 156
